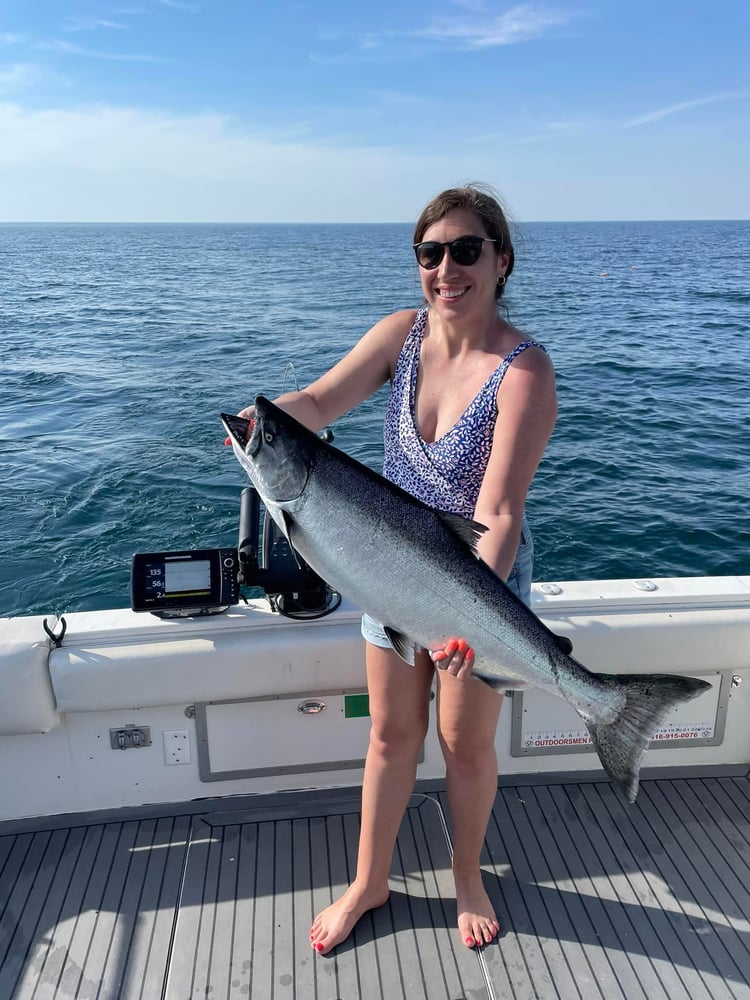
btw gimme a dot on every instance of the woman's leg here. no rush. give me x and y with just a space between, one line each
467 716
399 699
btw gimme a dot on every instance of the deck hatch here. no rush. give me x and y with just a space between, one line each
542 724
298 733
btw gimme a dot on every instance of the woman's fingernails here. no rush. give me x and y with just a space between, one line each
462 645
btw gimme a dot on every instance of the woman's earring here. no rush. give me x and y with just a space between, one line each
501 281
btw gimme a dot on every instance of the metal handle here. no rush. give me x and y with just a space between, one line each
311 707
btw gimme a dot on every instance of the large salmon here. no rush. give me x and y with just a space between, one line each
417 571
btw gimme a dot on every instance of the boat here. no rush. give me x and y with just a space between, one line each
181 796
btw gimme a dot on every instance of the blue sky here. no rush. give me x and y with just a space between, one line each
221 110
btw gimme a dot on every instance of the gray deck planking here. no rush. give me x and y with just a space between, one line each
600 900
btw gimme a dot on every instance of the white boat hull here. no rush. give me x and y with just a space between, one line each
222 698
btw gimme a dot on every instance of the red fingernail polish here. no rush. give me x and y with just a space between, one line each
462 645
227 440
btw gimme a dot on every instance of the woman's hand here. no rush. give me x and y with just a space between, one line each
456 656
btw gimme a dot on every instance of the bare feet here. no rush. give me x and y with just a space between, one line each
334 924
477 923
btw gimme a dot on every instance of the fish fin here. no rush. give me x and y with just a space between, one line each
622 743
563 643
401 644
467 530
503 685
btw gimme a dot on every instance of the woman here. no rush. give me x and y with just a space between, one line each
472 407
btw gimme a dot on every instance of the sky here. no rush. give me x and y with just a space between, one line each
347 111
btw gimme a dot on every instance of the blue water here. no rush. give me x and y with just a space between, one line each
122 343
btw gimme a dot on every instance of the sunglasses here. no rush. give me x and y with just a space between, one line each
465 251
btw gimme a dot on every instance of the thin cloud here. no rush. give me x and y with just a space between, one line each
67 48
102 138
397 97
370 48
191 8
674 109
475 29
522 23
20 76
478 6
107 164
90 24
550 130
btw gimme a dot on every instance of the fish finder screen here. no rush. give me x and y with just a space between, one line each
196 580
191 578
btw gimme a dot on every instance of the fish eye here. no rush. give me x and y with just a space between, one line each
268 437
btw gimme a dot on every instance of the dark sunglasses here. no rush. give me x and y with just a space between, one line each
465 251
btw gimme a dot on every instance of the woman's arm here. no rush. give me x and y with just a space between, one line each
527 410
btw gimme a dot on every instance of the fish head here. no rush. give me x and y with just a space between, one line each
279 454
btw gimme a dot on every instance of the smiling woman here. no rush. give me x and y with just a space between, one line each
472 405
484 204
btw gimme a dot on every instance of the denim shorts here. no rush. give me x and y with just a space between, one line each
519 582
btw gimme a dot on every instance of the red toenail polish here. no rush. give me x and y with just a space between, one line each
470 941
318 947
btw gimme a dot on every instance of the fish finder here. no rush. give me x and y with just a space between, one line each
195 582
185 584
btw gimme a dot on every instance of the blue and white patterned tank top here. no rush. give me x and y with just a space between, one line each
445 474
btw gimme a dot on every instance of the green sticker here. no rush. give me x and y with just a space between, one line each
356 706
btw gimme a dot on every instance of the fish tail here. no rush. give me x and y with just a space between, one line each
649 698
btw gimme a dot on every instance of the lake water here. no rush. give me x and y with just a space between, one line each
121 344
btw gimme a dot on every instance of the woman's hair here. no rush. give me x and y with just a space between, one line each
483 201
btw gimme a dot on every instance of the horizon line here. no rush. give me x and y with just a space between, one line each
393 222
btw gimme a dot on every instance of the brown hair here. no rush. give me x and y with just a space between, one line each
483 201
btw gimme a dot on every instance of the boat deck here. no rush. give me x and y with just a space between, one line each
597 899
